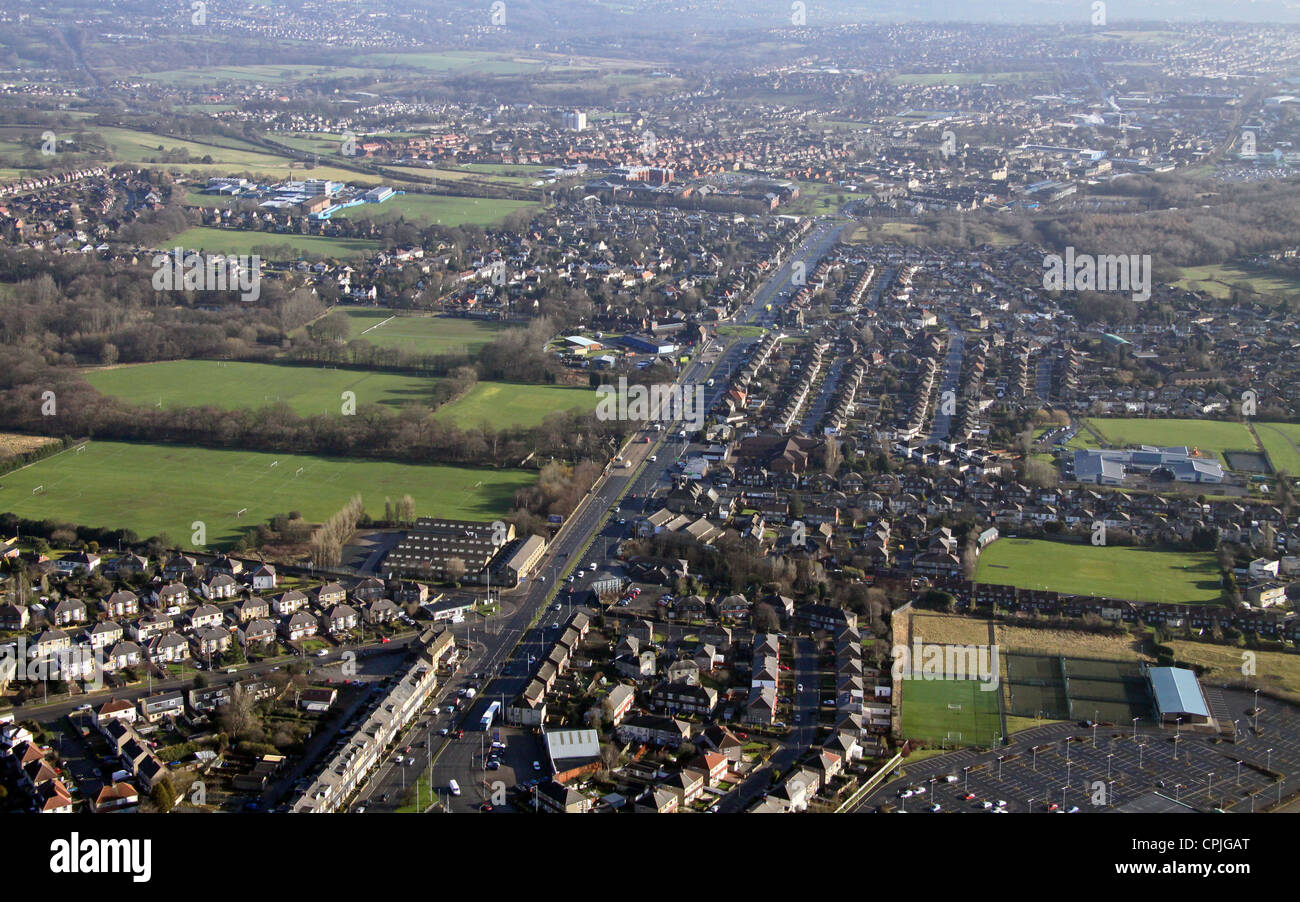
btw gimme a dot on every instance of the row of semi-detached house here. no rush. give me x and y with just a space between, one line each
529 707
1265 622
49 181
348 769
765 676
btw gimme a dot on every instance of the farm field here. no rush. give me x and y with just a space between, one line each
1136 574
436 209
507 403
237 241
234 385
1214 436
156 489
420 334
454 61
264 74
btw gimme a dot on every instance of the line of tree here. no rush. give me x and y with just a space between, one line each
329 538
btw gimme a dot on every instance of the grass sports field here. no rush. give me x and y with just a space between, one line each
420 334
234 385
1136 574
1208 435
239 241
436 209
155 489
1282 442
1219 280
515 404
950 712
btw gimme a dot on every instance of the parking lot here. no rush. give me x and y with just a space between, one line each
1068 766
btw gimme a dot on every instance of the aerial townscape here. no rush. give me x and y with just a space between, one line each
647 406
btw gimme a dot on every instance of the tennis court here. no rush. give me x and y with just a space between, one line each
1065 688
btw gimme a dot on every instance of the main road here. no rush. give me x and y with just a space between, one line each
525 622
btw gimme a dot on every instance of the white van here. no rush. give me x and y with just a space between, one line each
454 787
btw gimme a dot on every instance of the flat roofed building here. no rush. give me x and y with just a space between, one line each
431 549
1110 467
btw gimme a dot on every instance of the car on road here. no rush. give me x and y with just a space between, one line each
443 732
798 687
653 458
454 787
537 765
492 765
360 809
322 653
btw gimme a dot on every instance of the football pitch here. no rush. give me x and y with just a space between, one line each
157 489
234 385
420 334
512 404
1106 571
949 713
1213 436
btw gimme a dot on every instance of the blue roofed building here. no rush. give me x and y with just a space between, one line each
1178 696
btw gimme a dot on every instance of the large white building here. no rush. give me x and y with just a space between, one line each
1110 467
